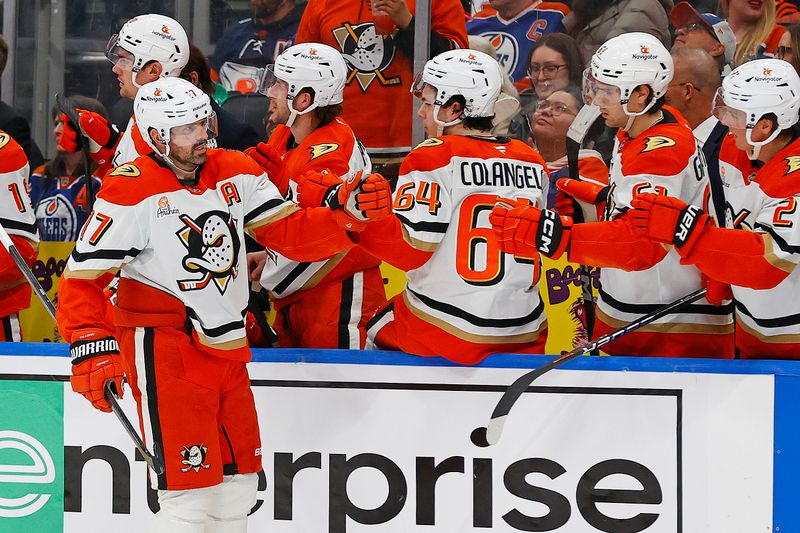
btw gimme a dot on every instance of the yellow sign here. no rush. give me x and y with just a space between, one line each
37 326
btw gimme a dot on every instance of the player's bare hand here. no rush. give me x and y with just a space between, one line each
396 9
255 264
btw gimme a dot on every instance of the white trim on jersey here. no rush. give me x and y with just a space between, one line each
140 363
356 302
373 328
11 327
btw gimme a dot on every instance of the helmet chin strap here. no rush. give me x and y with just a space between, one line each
294 113
755 146
632 116
441 125
168 160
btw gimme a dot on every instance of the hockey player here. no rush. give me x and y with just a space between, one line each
759 250
147 47
465 298
18 220
654 152
325 304
172 222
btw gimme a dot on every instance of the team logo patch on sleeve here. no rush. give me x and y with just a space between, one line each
433 141
128 170
793 162
318 150
656 142
4 138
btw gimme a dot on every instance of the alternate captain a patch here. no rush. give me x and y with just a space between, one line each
656 142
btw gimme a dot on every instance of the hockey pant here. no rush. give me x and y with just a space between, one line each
10 330
396 327
333 315
196 411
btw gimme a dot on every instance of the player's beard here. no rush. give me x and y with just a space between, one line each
191 158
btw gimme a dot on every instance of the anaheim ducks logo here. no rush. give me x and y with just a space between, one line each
128 170
793 164
213 245
318 150
656 142
736 219
368 54
433 141
4 139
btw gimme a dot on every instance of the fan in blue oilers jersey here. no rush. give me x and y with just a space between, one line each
465 298
513 26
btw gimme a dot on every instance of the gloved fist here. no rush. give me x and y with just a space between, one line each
96 129
94 362
269 159
523 230
717 292
354 201
668 220
373 198
589 197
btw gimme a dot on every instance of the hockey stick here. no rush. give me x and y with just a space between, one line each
154 462
491 434
83 145
8 244
575 135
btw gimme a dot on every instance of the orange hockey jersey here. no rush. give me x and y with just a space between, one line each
377 101
17 218
638 276
179 249
760 262
459 281
336 148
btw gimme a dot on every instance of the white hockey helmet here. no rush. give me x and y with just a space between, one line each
168 103
472 74
630 60
151 38
313 66
755 89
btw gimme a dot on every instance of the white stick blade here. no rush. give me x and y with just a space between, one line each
495 429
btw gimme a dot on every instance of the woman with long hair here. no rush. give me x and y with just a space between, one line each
753 23
58 188
789 46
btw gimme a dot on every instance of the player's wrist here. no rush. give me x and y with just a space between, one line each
96 347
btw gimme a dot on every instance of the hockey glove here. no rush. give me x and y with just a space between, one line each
668 220
523 230
101 136
94 362
353 202
269 159
589 197
718 292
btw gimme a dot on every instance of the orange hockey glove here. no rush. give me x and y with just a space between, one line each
589 197
94 362
354 201
666 219
269 159
99 132
718 292
523 230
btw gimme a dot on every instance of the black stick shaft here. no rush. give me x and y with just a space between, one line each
152 461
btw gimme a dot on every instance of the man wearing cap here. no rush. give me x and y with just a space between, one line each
706 31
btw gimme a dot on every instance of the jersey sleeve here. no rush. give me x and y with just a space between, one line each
16 211
443 22
309 29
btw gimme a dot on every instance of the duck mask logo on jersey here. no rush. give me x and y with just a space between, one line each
793 164
367 54
213 244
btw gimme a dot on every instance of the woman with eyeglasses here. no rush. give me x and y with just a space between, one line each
753 23
549 124
790 41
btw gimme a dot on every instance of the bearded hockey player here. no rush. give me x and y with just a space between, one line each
147 47
465 298
172 223
655 151
18 220
758 251
325 304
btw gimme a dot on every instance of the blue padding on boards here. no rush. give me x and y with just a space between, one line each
786 482
523 361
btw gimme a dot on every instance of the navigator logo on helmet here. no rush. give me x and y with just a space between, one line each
628 61
168 103
469 73
755 89
151 38
312 66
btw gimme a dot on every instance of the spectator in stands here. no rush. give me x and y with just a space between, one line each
592 22
232 133
253 43
555 62
514 26
13 123
59 195
787 11
507 105
377 100
790 41
549 124
753 24
706 31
